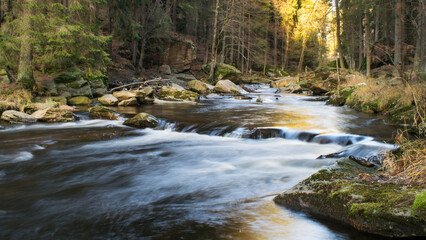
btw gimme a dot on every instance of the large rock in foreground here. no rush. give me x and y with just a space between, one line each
342 194
54 115
142 120
13 116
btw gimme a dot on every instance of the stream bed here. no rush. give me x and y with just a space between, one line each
210 171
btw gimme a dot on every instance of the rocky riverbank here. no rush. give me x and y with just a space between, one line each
356 195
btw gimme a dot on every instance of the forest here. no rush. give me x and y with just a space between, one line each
187 119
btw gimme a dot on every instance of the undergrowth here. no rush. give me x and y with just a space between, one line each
14 95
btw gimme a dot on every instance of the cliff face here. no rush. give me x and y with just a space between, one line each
376 207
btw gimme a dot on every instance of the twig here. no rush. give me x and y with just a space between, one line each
138 83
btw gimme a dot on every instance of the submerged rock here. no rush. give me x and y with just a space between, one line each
81 100
376 207
54 115
13 116
177 94
108 100
142 120
101 112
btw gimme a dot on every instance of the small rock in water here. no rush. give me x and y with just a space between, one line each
142 120
101 112
259 100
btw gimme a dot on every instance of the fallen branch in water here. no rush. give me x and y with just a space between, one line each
138 83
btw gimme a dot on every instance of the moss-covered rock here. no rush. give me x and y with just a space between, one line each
198 87
177 94
85 90
101 112
142 120
375 207
81 100
338 98
33 107
68 76
224 71
272 71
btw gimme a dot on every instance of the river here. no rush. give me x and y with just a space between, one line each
209 171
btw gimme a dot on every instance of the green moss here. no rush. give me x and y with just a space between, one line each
225 71
420 202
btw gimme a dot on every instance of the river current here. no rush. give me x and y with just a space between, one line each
209 171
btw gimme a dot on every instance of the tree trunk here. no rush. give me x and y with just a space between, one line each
367 42
377 26
339 44
360 45
287 43
398 33
213 62
420 57
174 13
275 42
141 55
25 70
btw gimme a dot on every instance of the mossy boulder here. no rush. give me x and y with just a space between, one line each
177 94
85 90
108 100
54 115
78 83
68 76
81 100
224 71
101 112
272 71
142 120
198 87
376 207
13 116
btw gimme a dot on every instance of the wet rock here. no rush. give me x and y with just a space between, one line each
198 87
13 116
226 71
33 107
124 95
165 70
54 115
101 112
129 102
226 86
85 90
147 91
346 193
142 120
185 77
81 100
177 94
108 100
259 100
283 82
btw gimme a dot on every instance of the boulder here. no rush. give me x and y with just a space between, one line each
142 120
124 95
85 90
147 91
179 55
4 106
177 94
81 100
60 100
129 102
165 70
78 83
98 83
356 195
68 76
272 71
108 100
13 116
185 77
54 115
98 92
291 88
101 112
198 87
339 97
33 107
226 71
226 86
283 82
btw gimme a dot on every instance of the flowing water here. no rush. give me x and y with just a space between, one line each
209 171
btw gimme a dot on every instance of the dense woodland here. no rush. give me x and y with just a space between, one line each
295 35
